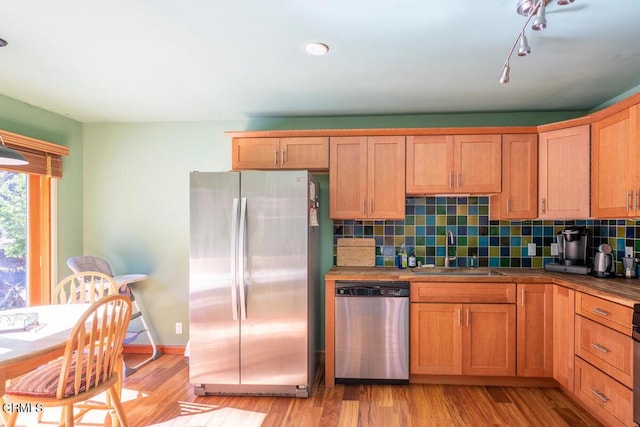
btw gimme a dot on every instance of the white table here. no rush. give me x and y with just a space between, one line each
21 352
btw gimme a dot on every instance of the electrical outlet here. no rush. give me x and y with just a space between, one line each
531 249
628 251
179 328
554 249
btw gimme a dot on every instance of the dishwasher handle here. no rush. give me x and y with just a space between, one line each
372 289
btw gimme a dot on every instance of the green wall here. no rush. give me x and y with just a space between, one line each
24 119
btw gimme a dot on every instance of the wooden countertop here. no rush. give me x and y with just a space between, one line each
622 291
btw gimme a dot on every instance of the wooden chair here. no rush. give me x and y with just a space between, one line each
91 364
85 287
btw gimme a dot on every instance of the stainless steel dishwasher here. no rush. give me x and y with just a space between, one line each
372 332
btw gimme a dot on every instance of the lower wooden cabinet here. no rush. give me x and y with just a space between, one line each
603 380
563 336
535 330
606 398
463 339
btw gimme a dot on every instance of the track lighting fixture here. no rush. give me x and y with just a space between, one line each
528 8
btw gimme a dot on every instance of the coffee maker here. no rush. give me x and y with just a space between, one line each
574 244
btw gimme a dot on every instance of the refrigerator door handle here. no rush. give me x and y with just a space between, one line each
241 256
234 259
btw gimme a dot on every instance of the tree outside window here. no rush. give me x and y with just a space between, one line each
13 238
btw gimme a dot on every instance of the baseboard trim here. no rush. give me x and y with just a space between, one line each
147 349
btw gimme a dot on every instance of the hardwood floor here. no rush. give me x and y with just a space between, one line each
164 382
159 394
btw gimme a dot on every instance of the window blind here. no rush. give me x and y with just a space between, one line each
45 158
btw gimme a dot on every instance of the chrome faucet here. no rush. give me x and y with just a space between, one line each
448 239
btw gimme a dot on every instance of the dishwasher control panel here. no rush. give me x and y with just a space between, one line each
372 289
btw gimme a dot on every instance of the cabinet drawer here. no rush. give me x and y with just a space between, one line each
608 313
605 397
608 350
463 292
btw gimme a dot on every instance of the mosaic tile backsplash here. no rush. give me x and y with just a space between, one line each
494 243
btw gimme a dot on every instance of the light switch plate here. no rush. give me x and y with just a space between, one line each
628 251
554 249
531 249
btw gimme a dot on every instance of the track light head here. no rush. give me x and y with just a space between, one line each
524 49
504 78
540 23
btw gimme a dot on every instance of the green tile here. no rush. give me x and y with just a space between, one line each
420 220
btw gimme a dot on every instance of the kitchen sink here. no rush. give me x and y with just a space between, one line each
455 271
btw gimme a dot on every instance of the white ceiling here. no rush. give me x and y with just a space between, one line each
170 60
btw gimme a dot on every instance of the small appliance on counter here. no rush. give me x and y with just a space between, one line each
603 262
573 249
629 266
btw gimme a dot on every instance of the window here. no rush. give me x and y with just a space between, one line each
13 239
25 221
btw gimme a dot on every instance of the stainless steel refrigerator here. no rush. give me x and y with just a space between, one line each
254 276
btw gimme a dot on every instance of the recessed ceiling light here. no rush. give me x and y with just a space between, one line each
316 49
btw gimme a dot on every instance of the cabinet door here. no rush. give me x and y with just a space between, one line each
563 175
255 153
430 164
519 196
348 177
386 177
563 336
489 339
613 174
304 153
535 330
477 163
436 339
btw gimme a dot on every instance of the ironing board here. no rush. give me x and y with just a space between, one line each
124 284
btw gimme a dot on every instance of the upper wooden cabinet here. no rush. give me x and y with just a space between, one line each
443 164
563 173
615 173
280 153
519 196
366 177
